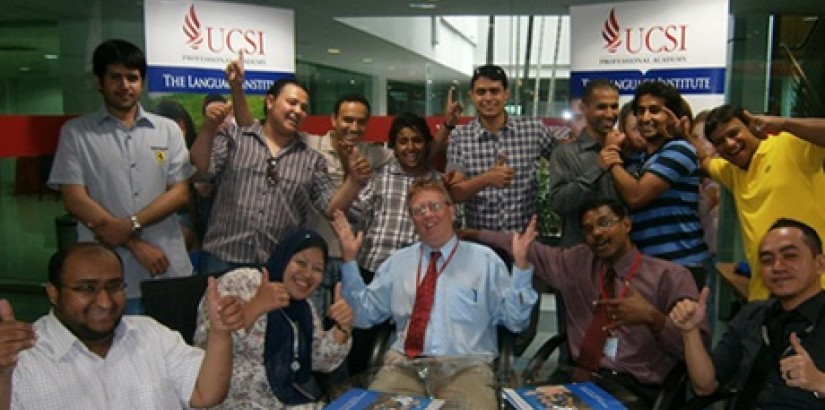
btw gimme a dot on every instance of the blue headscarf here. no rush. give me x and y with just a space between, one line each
278 345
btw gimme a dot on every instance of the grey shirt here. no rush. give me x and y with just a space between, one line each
575 179
124 170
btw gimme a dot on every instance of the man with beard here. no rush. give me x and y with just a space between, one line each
617 299
576 176
123 172
86 355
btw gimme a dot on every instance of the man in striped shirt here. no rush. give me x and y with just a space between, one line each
267 179
664 196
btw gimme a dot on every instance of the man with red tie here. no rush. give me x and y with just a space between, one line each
446 297
617 299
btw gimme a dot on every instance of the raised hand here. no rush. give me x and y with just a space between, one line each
673 126
14 338
762 125
799 370
225 313
451 178
269 296
350 242
216 114
688 315
235 71
358 166
453 108
615 138
340 311
521 244
500 175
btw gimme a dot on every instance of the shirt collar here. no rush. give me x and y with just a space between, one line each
445 249
622 266
62 341
812 308
586 142
141 119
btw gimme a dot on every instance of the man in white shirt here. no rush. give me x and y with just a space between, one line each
85 354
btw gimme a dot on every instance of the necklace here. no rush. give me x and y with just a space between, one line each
296 338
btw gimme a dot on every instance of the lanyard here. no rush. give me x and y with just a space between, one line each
437 271
630 274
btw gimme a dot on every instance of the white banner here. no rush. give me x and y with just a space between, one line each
189 43
683 43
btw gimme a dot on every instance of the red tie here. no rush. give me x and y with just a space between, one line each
593 343
424 296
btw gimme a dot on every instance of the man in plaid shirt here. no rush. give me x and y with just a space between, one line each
494 155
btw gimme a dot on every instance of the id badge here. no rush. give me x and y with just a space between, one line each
611 347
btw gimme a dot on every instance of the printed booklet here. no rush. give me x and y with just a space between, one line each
568 397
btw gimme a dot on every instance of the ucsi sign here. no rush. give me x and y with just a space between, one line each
654 39
220 39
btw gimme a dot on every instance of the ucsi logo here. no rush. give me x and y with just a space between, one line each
656 39
219 39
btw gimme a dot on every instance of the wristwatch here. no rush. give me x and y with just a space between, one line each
136 227
449 126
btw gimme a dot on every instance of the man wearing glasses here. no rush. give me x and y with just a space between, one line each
769 177
446 297
617 298
85 354
496 154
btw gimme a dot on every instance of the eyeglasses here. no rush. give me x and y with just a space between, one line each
421 210
272 170
90 289
652 109
602 223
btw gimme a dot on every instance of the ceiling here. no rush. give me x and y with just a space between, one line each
28 28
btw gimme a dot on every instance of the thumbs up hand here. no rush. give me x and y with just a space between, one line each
341 313
500 175
798 370
14 338
688 315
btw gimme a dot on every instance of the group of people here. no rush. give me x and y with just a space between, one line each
631 269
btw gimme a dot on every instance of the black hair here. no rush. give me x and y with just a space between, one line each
624 112
809 234
278 86
490 71
599 83
357 98
174 111
665 91
410 120
722 115
618 208
116 51
58 260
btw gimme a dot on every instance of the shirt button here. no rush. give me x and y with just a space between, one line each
134 165
135 194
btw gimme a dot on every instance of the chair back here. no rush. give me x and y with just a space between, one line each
174 302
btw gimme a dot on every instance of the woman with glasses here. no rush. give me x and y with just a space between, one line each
283 340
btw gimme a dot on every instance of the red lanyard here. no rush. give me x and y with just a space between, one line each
438 271
630 274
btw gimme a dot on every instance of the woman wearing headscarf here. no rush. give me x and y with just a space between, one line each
283 340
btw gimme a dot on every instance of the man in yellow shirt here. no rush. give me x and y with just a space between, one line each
780 176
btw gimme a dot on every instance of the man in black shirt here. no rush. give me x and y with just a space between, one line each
774 346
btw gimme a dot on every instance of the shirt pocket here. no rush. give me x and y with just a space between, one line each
465 306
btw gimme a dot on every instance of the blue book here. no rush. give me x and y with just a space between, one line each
357 399
569 397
